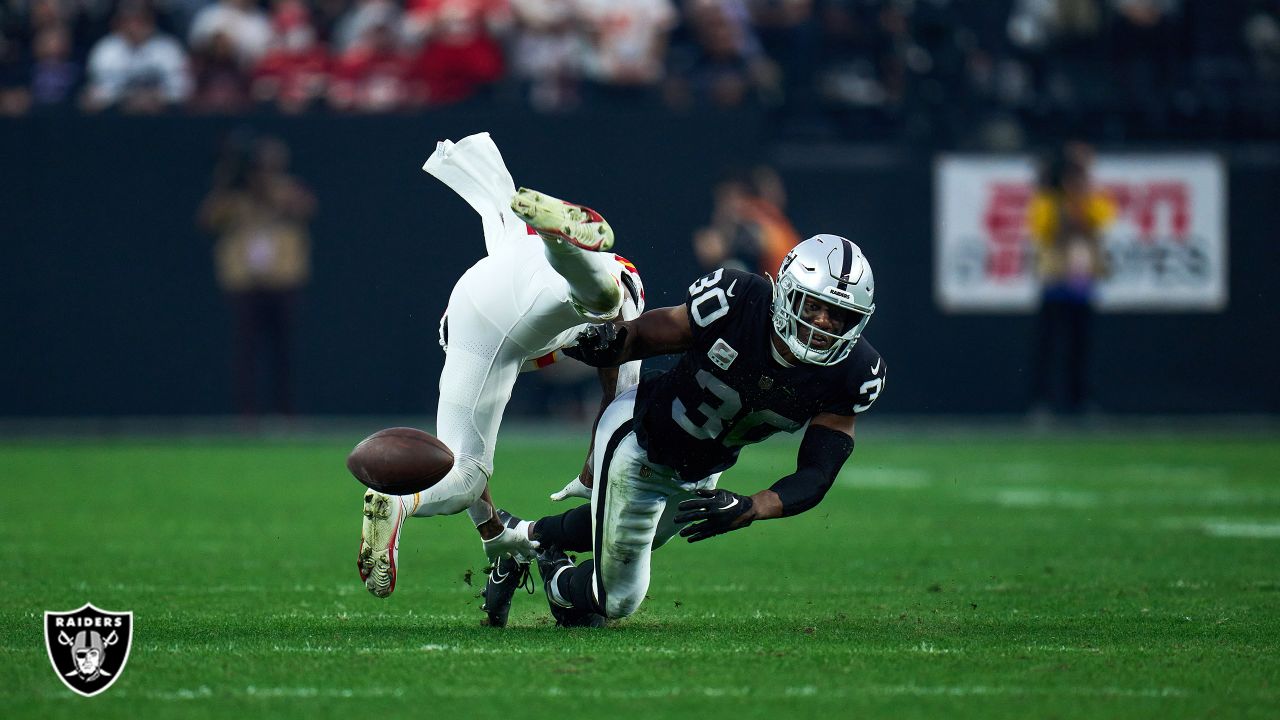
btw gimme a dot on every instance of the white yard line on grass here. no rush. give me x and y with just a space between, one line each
1246 528
1133 495
253 692
1019 471
1014 690
891 478
1230 496
231 649
352 588
1166 474
1033 497
1269 530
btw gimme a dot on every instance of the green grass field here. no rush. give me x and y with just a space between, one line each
976 577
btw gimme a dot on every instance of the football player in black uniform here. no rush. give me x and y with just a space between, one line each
757 358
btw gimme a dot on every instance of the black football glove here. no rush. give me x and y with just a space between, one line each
599 345
712 513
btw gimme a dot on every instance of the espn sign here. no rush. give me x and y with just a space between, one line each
1166 249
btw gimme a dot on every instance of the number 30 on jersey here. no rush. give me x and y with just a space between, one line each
708 302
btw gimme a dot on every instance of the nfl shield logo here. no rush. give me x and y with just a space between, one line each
88 647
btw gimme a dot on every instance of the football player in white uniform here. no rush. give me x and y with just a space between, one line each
546 274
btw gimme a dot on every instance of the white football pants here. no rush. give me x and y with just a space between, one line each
633 506
507 312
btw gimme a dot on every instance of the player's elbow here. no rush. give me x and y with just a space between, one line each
805 502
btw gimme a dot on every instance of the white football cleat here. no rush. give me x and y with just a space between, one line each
380 541
555 219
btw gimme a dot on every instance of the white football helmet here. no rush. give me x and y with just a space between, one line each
830 269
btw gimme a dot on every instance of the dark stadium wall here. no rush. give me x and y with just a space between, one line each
110 305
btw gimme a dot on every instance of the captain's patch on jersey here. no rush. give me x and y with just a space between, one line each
722 354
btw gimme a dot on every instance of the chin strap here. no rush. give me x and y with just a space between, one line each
778 356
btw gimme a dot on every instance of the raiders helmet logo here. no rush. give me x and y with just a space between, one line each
88 647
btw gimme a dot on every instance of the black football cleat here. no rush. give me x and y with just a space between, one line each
506 575
551 562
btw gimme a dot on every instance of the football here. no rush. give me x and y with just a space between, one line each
400 460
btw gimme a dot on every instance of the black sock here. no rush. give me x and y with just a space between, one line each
570 531
574 585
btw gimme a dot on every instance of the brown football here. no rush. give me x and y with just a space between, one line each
400 461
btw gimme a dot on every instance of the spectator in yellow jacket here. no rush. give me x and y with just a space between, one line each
259 213
1067 217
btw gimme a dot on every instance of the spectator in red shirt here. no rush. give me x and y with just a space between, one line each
459 58
295 71
423 18
374 75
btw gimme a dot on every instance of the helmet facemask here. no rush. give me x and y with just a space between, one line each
829 270
799 334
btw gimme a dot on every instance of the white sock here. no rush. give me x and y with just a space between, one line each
590 282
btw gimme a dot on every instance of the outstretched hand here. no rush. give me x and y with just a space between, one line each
714 512
575 489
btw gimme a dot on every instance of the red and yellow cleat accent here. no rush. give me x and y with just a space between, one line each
555 219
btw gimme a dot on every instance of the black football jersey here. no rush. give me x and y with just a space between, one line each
728 390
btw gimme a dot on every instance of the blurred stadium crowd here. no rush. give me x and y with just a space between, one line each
1128 69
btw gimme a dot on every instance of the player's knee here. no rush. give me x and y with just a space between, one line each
620 606
628 549
474 477
626 596
611 295
601 300
459 490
